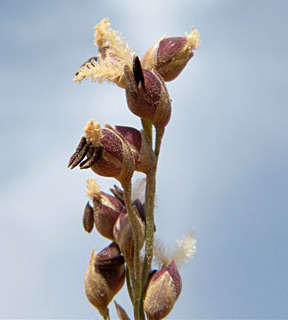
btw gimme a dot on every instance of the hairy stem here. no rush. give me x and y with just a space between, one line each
159 136
149 208
149 236
147 127
136 270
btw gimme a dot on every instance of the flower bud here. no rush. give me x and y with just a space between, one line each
170 55
124 236
163 289
147 95
104 277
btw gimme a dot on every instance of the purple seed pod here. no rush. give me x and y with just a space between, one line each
170 55
107 153
163 290
106 211
141 148
105 276
124 237
147 95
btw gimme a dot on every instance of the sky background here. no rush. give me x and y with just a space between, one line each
223 166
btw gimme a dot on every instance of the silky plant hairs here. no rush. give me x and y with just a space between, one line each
125 215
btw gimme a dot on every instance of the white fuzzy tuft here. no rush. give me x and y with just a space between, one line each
181 254
160 253
186 248
117 55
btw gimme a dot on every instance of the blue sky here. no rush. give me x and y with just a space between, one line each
223 166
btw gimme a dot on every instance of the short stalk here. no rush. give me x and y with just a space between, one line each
104 313
147 127
159 136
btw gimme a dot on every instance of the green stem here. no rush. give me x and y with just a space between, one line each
136 270
147 127
149 236
128 283
149 209
159 136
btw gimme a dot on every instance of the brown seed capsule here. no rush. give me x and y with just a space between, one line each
104 277
170 55
147 95
88 218
163 290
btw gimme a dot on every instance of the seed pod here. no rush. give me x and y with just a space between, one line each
147 95
108 153
124 236
117 160
113 151
88 218
170 55
163 290
104 277
141 148
106 211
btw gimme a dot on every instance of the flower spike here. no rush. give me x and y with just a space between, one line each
126 216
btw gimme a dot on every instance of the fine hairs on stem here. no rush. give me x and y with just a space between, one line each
117 152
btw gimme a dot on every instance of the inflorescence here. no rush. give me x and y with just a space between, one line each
117 152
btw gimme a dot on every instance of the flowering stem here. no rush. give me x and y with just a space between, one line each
149 208
135 272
